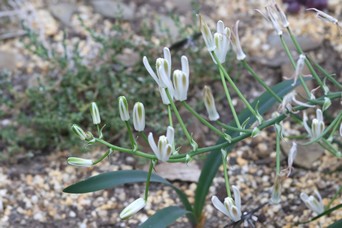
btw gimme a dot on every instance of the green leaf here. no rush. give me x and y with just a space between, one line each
323 214
164 217
117 178
336 224
213 162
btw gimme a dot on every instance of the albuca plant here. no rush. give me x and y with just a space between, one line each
173 87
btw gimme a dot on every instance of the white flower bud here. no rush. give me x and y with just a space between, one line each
75 161
313 203
317 126
222 42
291 157
181 85
133 208
164 149
79 132
123 108
240 55
209 103
207 35
326 104
139 116
324 16
276 191
95 114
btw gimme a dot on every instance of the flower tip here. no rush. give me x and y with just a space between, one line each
133 208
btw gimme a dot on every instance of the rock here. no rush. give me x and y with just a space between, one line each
182 6
306 43
179 171
114 9
63 11
165 26
306 154
7 60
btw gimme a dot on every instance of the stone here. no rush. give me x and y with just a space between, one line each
179 171
63 11
114 9
306 154
165 26
306 43
7 60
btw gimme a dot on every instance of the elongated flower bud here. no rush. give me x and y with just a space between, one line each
164 149
181 85
222 42
324 16
79 132
95 114
133 208
276 191
139 116
240 55
313 203
209 103
291 158
75 161
206 33
123 108
299 68
317 126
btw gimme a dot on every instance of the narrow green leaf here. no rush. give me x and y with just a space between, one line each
117 178
323 214
213 161
336 224
164 217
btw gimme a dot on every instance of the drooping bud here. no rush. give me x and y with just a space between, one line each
313 203
123 108
133 208
75 161
139 116
324 16
209 103
240 55
95 114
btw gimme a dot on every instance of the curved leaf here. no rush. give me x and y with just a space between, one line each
117 178
213 161
323 214
336 224
164 217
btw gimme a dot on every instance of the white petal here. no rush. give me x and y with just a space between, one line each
219 205
237 197
167 56
170 134
153 145
149 69
185 65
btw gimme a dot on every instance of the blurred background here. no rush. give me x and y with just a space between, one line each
56 57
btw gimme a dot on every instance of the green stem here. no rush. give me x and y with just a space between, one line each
236 89
148 180
339 191
230 102
144 136
225 171
179 118
278 136
131 138
205 122
103 156
329 76
227 127
256 77
307 62
169 115
286 48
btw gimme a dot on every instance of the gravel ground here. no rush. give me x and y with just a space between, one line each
31 188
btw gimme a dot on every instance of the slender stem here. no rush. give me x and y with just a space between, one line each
338 192
169 115
236 89
227 127
230 102
144 136
286 48
179 118
278 136
131 138
329 76
307 62
202 120
103 156
148 180
225 171
256 77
